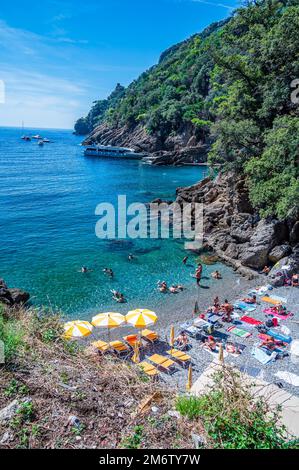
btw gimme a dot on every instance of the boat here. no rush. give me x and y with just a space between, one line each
38 137
45 140
40 143
105 151
25 137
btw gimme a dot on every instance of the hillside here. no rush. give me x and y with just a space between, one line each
224 94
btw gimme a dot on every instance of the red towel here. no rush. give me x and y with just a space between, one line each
251 321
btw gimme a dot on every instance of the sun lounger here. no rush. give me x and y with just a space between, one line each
149 369
119 347
132 340
162 361
151 336
101 346
179 356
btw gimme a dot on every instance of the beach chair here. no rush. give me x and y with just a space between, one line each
132 340
151 336
161 361
120 348
101 346
149 369
179 356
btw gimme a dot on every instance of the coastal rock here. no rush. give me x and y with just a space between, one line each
7 413
12 297
285 267
279 252
294 235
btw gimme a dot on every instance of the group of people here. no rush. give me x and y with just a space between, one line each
174 289
224 310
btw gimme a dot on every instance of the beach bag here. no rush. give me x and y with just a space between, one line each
269 323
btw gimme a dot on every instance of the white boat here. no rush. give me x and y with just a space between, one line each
112 152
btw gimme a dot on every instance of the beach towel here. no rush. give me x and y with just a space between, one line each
239 332
244 306
262 356
269 311
269 300
288 377
251 321
280 336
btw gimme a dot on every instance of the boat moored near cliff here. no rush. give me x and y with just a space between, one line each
112 152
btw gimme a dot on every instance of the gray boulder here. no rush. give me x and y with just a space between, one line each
261 243
285 267
279 252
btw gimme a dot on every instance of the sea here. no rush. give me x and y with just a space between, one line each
48 199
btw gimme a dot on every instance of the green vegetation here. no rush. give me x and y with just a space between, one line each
133 441
230 84
233 418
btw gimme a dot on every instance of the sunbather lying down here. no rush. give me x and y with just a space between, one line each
250 300
211 343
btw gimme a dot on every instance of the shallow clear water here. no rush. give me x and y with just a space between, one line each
48 197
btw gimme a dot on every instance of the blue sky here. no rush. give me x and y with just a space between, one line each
56 57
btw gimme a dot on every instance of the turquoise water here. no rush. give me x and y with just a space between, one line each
48 197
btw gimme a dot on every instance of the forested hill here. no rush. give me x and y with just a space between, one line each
225 93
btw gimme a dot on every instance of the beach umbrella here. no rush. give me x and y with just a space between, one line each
141 317
108 320
136 355
189 382
77 329
171 337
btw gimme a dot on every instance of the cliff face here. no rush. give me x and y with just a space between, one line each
233 229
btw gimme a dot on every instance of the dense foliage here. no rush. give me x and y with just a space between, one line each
230 84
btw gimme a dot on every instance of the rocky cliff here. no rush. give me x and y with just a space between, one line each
235 231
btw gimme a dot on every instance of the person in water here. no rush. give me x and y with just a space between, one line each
162 286
198 274
118 296
109 272
130 257
185 260
216 275
85 269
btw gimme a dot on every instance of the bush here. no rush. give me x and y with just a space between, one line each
233 418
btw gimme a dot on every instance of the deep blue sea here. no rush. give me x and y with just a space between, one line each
48 197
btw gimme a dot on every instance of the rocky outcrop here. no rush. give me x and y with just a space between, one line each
12 297
184 147
234 230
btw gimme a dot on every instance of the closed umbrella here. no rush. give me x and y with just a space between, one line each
136 355
189 382
171 338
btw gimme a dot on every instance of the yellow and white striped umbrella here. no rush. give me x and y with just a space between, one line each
108 320
77 329
141 317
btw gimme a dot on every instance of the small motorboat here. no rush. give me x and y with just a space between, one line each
45 140
26 137
38 137
40 143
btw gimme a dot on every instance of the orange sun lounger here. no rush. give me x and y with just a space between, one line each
162 361
150 335
132 340
148 369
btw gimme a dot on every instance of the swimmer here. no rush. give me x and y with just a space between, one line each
108 271
130 257
85 269
216 275
185 260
